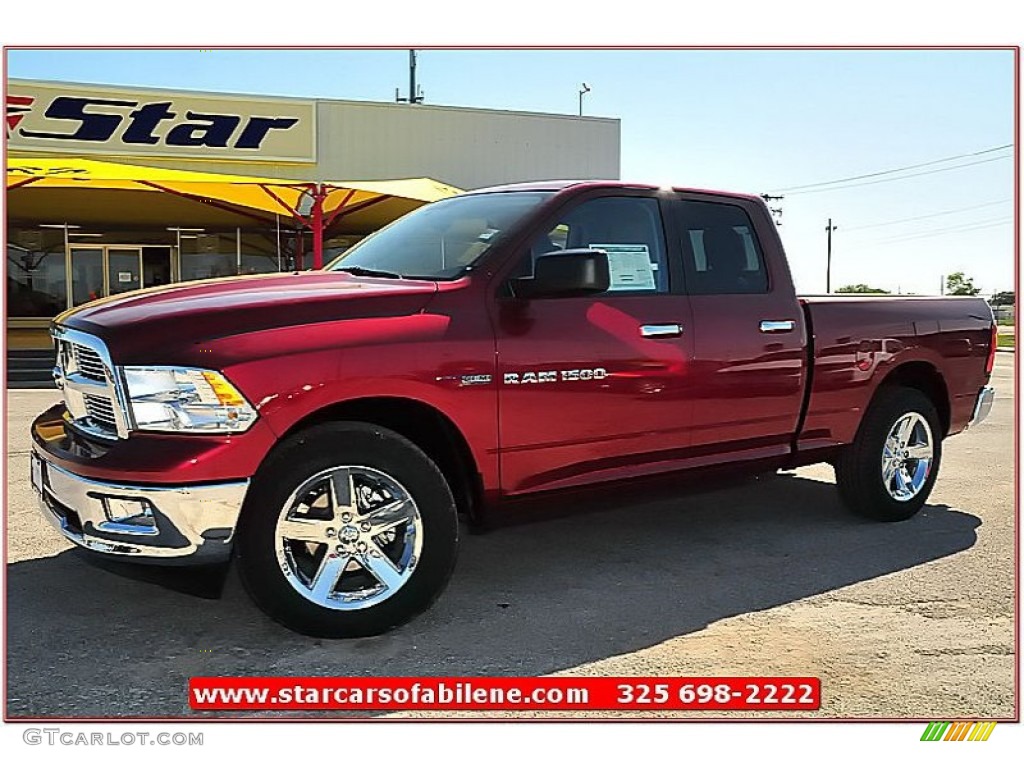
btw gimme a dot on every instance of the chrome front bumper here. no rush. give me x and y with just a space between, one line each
982 406
186 525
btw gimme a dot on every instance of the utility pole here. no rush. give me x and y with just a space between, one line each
942 285
828 267
775 212
583 90
412 76
415 95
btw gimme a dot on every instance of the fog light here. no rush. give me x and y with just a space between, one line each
129 515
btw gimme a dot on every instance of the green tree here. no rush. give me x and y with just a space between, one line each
958 284
1003 299
860 288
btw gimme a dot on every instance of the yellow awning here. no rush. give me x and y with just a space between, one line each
38 184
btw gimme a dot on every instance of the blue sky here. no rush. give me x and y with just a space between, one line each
751 121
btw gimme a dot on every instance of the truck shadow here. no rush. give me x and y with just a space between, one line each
531 599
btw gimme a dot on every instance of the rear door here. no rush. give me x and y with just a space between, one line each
747 375
593 387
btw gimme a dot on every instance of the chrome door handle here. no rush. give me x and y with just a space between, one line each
661 330
777 326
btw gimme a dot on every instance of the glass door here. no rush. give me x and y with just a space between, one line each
106 270
124 269
156 265
86 274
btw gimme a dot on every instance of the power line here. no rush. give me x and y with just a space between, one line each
896 170
928 216
901 178
874 246
947 231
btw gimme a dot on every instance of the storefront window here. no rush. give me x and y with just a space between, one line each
206 255
259 254
105 261
36 274
216 254
86 274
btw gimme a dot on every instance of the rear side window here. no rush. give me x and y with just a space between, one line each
720 250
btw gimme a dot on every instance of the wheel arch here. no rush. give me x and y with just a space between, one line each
926 378
428 428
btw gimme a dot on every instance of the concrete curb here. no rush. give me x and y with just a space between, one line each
1006 349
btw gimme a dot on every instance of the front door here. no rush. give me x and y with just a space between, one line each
593 387
96 271
124 269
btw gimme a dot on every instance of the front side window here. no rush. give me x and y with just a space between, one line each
441 240
628 229
721 254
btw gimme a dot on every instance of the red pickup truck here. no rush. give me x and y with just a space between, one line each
329 428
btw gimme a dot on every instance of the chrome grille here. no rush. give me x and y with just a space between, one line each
89 363
92 394
101 412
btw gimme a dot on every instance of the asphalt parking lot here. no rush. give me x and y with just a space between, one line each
906 620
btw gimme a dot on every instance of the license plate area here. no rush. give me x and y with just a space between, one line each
38 472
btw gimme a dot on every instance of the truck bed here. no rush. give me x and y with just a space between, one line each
856 340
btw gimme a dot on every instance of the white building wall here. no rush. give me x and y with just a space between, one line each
468 148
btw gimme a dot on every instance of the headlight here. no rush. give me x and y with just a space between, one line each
186 400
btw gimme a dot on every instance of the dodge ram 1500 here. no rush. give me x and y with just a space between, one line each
327 429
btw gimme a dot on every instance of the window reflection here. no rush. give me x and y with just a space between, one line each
36 273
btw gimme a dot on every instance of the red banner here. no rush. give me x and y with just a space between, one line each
505 693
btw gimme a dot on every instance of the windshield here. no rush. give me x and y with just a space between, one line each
441 240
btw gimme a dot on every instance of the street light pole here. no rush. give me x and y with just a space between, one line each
828 266
583 90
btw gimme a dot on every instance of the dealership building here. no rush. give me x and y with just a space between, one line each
111 189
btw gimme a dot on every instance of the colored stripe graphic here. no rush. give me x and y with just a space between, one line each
964 730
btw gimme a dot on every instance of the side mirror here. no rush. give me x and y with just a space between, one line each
573 272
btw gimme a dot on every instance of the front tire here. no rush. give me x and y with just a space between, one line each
888 471
348 530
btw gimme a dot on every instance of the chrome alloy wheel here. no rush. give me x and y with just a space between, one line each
907 456
349 537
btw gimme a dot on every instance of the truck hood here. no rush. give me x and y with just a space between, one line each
186 314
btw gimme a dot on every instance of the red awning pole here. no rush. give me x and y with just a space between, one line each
317 225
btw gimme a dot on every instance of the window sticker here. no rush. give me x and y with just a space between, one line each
629 265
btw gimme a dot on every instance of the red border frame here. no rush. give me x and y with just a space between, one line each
1016 444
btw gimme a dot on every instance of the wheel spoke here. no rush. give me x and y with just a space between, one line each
343 492
381 568
327 575
919 452
906 429
902 480
303 530
390 515
887 473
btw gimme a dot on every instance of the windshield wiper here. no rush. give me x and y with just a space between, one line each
367 272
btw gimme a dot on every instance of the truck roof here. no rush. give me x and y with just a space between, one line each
558 185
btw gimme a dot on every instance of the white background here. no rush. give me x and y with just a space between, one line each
523 22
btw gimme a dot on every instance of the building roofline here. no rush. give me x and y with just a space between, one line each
306 99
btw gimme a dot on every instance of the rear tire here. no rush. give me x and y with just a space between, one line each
888 471
348 530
